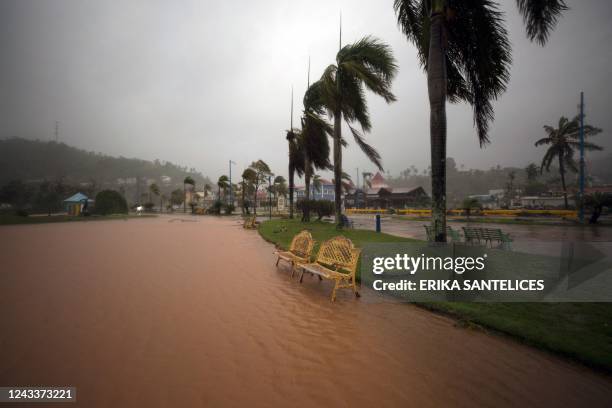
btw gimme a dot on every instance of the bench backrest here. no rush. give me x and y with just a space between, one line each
302 244
340 254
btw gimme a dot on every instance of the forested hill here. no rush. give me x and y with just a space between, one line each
33 160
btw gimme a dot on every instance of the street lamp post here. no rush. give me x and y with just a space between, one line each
270 194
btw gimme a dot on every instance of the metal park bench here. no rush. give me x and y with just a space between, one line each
487 236
453 234
299 250
336 260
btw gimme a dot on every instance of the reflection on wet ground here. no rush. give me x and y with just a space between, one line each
156 313
539 239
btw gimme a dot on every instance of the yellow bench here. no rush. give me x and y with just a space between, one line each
299 250
250 223
337 260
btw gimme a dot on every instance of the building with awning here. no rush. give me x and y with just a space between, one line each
75 204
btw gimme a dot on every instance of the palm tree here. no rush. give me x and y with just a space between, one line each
280 188
562 142
346 182
367 62
207 190
222 184
262 172
464 48
296 163
153 189
248 182
186 181
316 183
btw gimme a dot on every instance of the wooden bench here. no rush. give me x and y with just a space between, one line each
336 260
250 223
453 234
487 236
299 250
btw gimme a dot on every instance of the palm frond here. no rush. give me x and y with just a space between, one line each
369 151
540 17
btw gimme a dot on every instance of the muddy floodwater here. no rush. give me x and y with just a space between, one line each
191 312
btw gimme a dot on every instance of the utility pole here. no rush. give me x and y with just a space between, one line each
357 179
581 197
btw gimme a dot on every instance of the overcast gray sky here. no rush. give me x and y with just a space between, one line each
201 82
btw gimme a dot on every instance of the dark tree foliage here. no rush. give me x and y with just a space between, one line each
110 202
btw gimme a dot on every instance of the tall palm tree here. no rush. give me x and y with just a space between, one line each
316 183
315 131
367 62
154 189
187 181
563 142
222 184
464 48
262 172
296 163
207 190
248 183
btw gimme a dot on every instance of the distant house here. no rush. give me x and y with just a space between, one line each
77 203
326 192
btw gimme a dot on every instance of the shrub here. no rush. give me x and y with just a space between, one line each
110 202
148 206
229 209
21 213
323 208
216 207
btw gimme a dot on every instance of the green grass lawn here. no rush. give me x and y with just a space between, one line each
581 331
10 219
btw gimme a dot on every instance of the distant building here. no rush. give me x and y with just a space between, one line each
326 192
77 203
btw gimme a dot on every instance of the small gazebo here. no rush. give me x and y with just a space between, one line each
76 203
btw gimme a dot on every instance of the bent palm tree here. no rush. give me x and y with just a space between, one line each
367 62
315 145
563 142
296 163
464 48
222 185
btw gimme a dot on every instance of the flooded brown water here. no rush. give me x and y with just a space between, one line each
191 314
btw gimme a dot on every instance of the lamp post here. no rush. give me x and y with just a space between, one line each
231 197
270 194
581 199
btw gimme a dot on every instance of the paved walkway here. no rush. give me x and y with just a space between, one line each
154 313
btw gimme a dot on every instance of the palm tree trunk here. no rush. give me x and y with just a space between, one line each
184 198
307 177
562 171
436 86
291 187
338 165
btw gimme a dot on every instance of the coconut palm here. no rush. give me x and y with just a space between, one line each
153 189
367 62
563 142
222 185
346 182
187 181
296 163
261 172
246 186
464 48
316 183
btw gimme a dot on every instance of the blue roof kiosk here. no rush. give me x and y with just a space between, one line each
74 204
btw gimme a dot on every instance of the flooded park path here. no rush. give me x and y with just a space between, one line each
191 312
